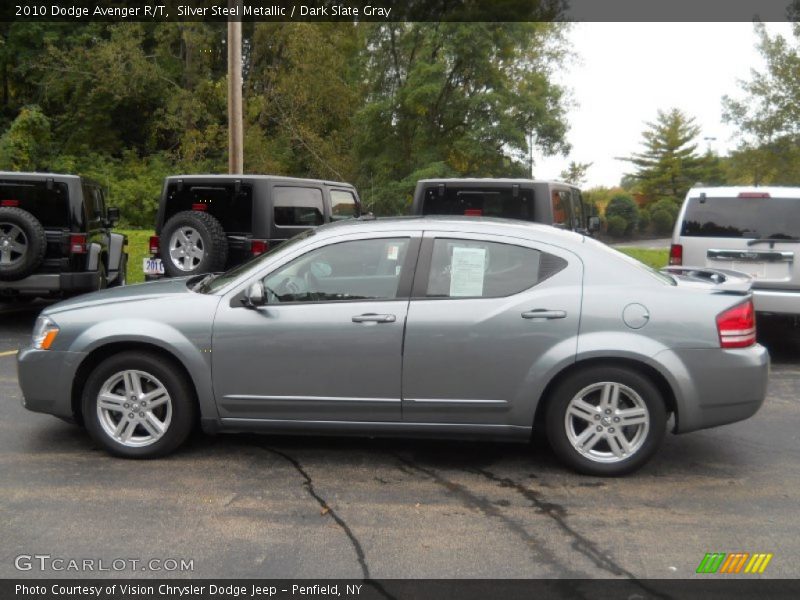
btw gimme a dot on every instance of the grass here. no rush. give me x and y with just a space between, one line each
139 239
653 258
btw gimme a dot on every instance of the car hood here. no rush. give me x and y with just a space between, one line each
128 293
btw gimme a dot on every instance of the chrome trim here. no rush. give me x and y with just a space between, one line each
750 255
308 398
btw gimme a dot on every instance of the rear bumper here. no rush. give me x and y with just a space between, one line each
714 386
781 302
45 378
52 283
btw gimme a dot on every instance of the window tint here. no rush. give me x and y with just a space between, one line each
777 218
51 206
359 270
234 210
297 206
561 209
507 203
343 205
465 268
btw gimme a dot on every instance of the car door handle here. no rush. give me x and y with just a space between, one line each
542 313
373 318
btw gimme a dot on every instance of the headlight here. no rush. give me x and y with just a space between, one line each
44 333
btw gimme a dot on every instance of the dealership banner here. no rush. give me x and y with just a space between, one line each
399 589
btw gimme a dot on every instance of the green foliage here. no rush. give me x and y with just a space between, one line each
670 163
616 226
138 250
25 146
644 219
663 221
575 173
657 259
624 207
669 205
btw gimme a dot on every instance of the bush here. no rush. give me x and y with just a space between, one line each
663 221
644 220
667 204
623 206
616 226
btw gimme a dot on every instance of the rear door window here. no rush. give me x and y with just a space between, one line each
746 217
297 206
343 205
49 206
478 269
508 203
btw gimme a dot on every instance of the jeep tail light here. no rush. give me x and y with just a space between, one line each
737 326
258 247
200 206
153 244
77 243
754 195
473 212
9 202
676 254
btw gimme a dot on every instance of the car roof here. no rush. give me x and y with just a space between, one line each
491 180
228 176
731 191
36 175
455 224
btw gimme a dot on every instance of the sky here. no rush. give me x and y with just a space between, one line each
625 72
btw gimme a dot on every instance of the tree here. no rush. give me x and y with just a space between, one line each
670 163
448 98
768 116
25 146
575 173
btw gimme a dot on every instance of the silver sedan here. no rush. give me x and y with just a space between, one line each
441 327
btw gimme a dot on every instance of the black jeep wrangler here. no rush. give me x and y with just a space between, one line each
55 237
209 223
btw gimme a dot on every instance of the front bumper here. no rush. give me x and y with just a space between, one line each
715 386
52 283
46 377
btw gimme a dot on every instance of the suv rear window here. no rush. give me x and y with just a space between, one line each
760 218
233 210
487 202
50 207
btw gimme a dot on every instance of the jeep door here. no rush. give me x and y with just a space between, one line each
488 318
327 346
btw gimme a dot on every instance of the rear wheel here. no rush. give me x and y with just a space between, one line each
606 420
22 243
136 405
193 242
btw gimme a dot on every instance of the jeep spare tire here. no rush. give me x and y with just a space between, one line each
22 243
191 243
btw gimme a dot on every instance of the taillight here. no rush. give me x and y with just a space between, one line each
676 254
754 195
153 244
77 243
200 206
258 247
9 202
473 212
737 326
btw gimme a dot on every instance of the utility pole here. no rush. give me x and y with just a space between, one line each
235 143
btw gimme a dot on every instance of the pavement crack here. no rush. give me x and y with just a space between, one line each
580 542
331 512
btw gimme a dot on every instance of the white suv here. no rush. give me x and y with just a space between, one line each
755 230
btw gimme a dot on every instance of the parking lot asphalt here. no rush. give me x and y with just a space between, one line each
312 507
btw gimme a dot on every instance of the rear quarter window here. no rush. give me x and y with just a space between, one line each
297 206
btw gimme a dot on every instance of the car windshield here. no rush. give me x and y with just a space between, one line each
742 217
211 285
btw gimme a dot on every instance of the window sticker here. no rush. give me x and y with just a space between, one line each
392 252
466 271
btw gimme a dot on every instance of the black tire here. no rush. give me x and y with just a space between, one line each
122 274
181 400
18 226
646 440
211 234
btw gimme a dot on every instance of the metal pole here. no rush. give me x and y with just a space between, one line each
235 143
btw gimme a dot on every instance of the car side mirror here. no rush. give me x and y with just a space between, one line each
255 295
594 224
113 216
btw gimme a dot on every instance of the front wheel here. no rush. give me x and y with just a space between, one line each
137 405
606 421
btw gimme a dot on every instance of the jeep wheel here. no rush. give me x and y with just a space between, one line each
22 243
193 242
